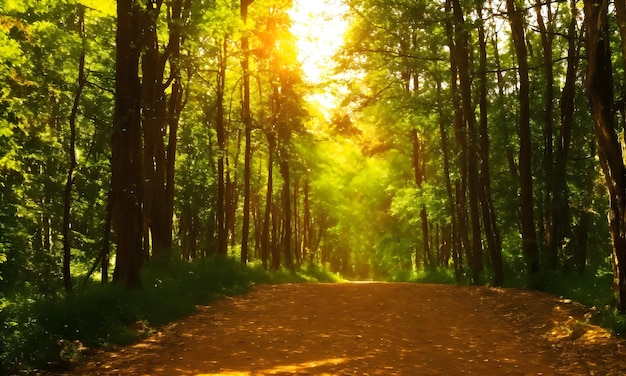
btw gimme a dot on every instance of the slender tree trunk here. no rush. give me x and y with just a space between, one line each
296 224
222 202
267 225
152 95
104 267
600 90
306 226
529 235
126 158
247 120
492 235
418 168
286 208
560 214
179 13
67 197
276 236
463 60
548 147
460 132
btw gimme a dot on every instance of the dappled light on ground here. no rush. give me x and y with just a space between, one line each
287 368
375 328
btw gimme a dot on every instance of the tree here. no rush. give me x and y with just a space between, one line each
469 128
67 198
126 159
247 120
599 86
494 244
529 235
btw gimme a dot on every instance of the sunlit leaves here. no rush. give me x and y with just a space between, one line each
105 7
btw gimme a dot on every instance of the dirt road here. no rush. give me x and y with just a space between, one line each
375 329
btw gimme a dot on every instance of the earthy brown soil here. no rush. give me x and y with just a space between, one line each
375 329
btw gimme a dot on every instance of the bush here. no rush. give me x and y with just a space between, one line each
48 332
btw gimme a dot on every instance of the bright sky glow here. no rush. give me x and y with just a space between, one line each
319 26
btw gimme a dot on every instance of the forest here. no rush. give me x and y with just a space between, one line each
477 142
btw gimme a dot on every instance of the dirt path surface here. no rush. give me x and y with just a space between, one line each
375 329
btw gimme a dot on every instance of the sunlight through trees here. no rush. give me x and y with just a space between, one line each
376 139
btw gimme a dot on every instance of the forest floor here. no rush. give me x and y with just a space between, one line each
374 329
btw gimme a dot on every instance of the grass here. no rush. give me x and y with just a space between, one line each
44 333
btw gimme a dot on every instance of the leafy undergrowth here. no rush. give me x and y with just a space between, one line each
592 290
50 332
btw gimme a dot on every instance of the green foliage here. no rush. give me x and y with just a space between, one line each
432 275
307 274
40 330
357 160
592 290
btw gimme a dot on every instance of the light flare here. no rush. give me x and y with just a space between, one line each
319 27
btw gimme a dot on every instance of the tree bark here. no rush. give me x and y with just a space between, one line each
529 235
267 225
222 202
418 169
494 244
247 121
463 61
462 228
560 213
67 197
179 13
126 151
286 208
546 32
599 85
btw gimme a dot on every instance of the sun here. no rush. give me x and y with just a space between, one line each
319 27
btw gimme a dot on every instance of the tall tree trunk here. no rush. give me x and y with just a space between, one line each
179 13
104 265
460 133
600 90
529 235
267 225
126 151
67 197
286 208
276 236
297 249
550 240
247 121
418 169
306 225
560 213
463 61
494 244
222 202
152 103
